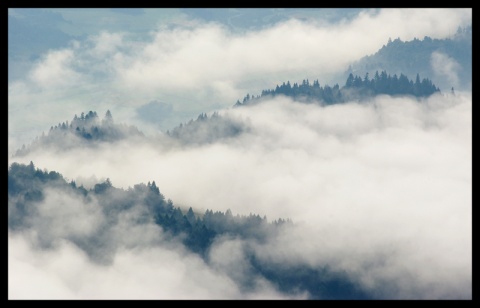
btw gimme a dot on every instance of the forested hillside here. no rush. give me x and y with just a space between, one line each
29 187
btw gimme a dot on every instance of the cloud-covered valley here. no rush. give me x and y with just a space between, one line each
379 190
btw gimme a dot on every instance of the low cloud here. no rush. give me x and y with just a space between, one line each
146 273
380 190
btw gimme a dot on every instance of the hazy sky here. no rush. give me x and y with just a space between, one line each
380 190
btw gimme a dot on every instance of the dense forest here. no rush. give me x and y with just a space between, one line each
28 186
355 88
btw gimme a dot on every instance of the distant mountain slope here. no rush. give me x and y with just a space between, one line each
446 61
89 130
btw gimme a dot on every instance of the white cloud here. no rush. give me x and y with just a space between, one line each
105 44
408 23
55 70
139 271
62 215
445 66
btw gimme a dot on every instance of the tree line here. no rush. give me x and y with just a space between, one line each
355 88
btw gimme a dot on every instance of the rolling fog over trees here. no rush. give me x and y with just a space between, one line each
133 174
30 186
